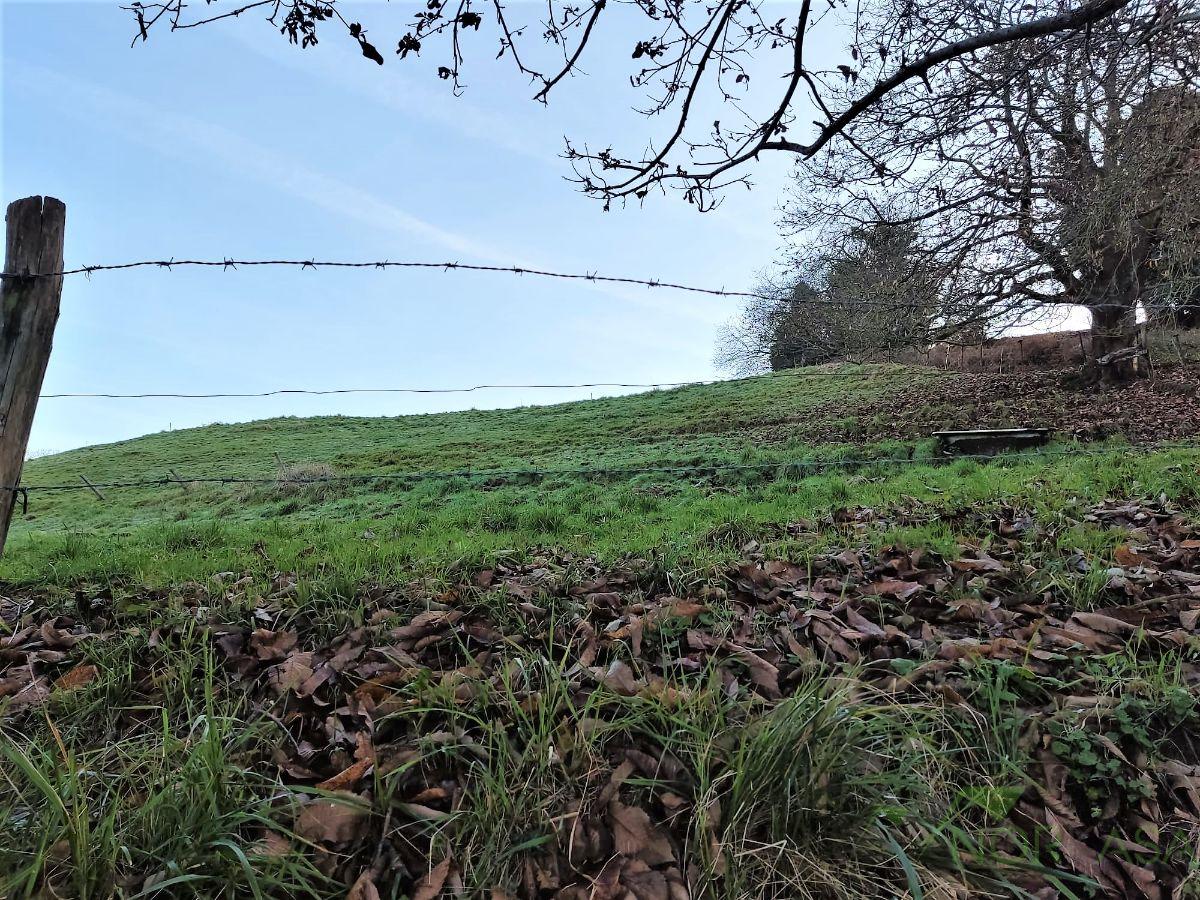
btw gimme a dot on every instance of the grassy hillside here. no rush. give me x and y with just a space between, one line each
801 658
771 432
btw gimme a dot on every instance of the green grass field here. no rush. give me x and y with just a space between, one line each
301 688
345 534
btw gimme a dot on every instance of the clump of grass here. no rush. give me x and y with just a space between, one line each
732 535
172 808
832 792
1081 583
311 478
300 488
837 793
934 537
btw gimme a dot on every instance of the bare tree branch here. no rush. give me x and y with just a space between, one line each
698 55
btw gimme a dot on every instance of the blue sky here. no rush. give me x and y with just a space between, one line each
226 141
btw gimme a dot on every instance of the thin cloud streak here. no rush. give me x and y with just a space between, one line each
390 89
187 137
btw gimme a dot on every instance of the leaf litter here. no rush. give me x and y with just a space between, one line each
1147 410
387 740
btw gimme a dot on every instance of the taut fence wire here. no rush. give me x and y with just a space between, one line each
648 385
230 264
784 467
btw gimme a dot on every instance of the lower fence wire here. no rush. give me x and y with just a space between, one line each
700 469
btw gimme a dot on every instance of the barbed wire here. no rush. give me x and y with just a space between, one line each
460 390
934 370
226 264
283 480
232 264
327 392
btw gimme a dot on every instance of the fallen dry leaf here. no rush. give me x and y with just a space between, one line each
1083 859
76 678
891 587
57 639
33 693
272 645
271 845
645 883
1128 557
293 671
333 820
431 885
686 609
762 673
621 679
363 888
635 836
348 777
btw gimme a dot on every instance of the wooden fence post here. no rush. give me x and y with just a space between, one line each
28 313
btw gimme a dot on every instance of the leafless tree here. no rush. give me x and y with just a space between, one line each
697 61
1061 170
768 335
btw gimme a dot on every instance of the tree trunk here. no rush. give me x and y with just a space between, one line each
1115 346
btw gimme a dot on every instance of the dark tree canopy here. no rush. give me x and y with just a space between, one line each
744 58
864 297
